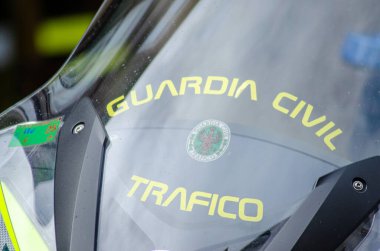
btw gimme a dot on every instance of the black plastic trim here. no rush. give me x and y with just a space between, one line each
333 210
78 177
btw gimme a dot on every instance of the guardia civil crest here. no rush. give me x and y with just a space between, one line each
208 140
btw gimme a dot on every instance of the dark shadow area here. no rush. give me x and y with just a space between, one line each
36 37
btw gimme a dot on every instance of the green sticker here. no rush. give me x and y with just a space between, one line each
35 134
208 140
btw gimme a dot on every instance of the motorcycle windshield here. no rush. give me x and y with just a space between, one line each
221 117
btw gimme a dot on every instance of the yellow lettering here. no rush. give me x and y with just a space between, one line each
138 180
260 210
182 192
170 85
297 110
193 82
214 200
279 97
252 86
120 107
306 117
194 200
213 79
325 128
330 136
232 89
149 93
163 188
222 203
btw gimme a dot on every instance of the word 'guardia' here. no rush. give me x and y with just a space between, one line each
213 85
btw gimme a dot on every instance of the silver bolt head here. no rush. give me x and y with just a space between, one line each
358 185
78 128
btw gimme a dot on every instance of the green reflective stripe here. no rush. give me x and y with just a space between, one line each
7 219
27 235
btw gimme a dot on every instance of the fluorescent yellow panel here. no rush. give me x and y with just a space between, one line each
28 238
7 220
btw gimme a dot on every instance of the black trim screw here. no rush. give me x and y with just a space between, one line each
359 185
78 128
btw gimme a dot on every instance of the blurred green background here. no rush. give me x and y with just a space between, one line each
36 37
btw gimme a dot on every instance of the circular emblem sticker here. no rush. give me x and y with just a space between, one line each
208 140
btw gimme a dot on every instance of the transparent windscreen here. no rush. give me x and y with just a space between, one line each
221 117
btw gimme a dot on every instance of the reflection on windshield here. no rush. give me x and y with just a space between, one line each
27 183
